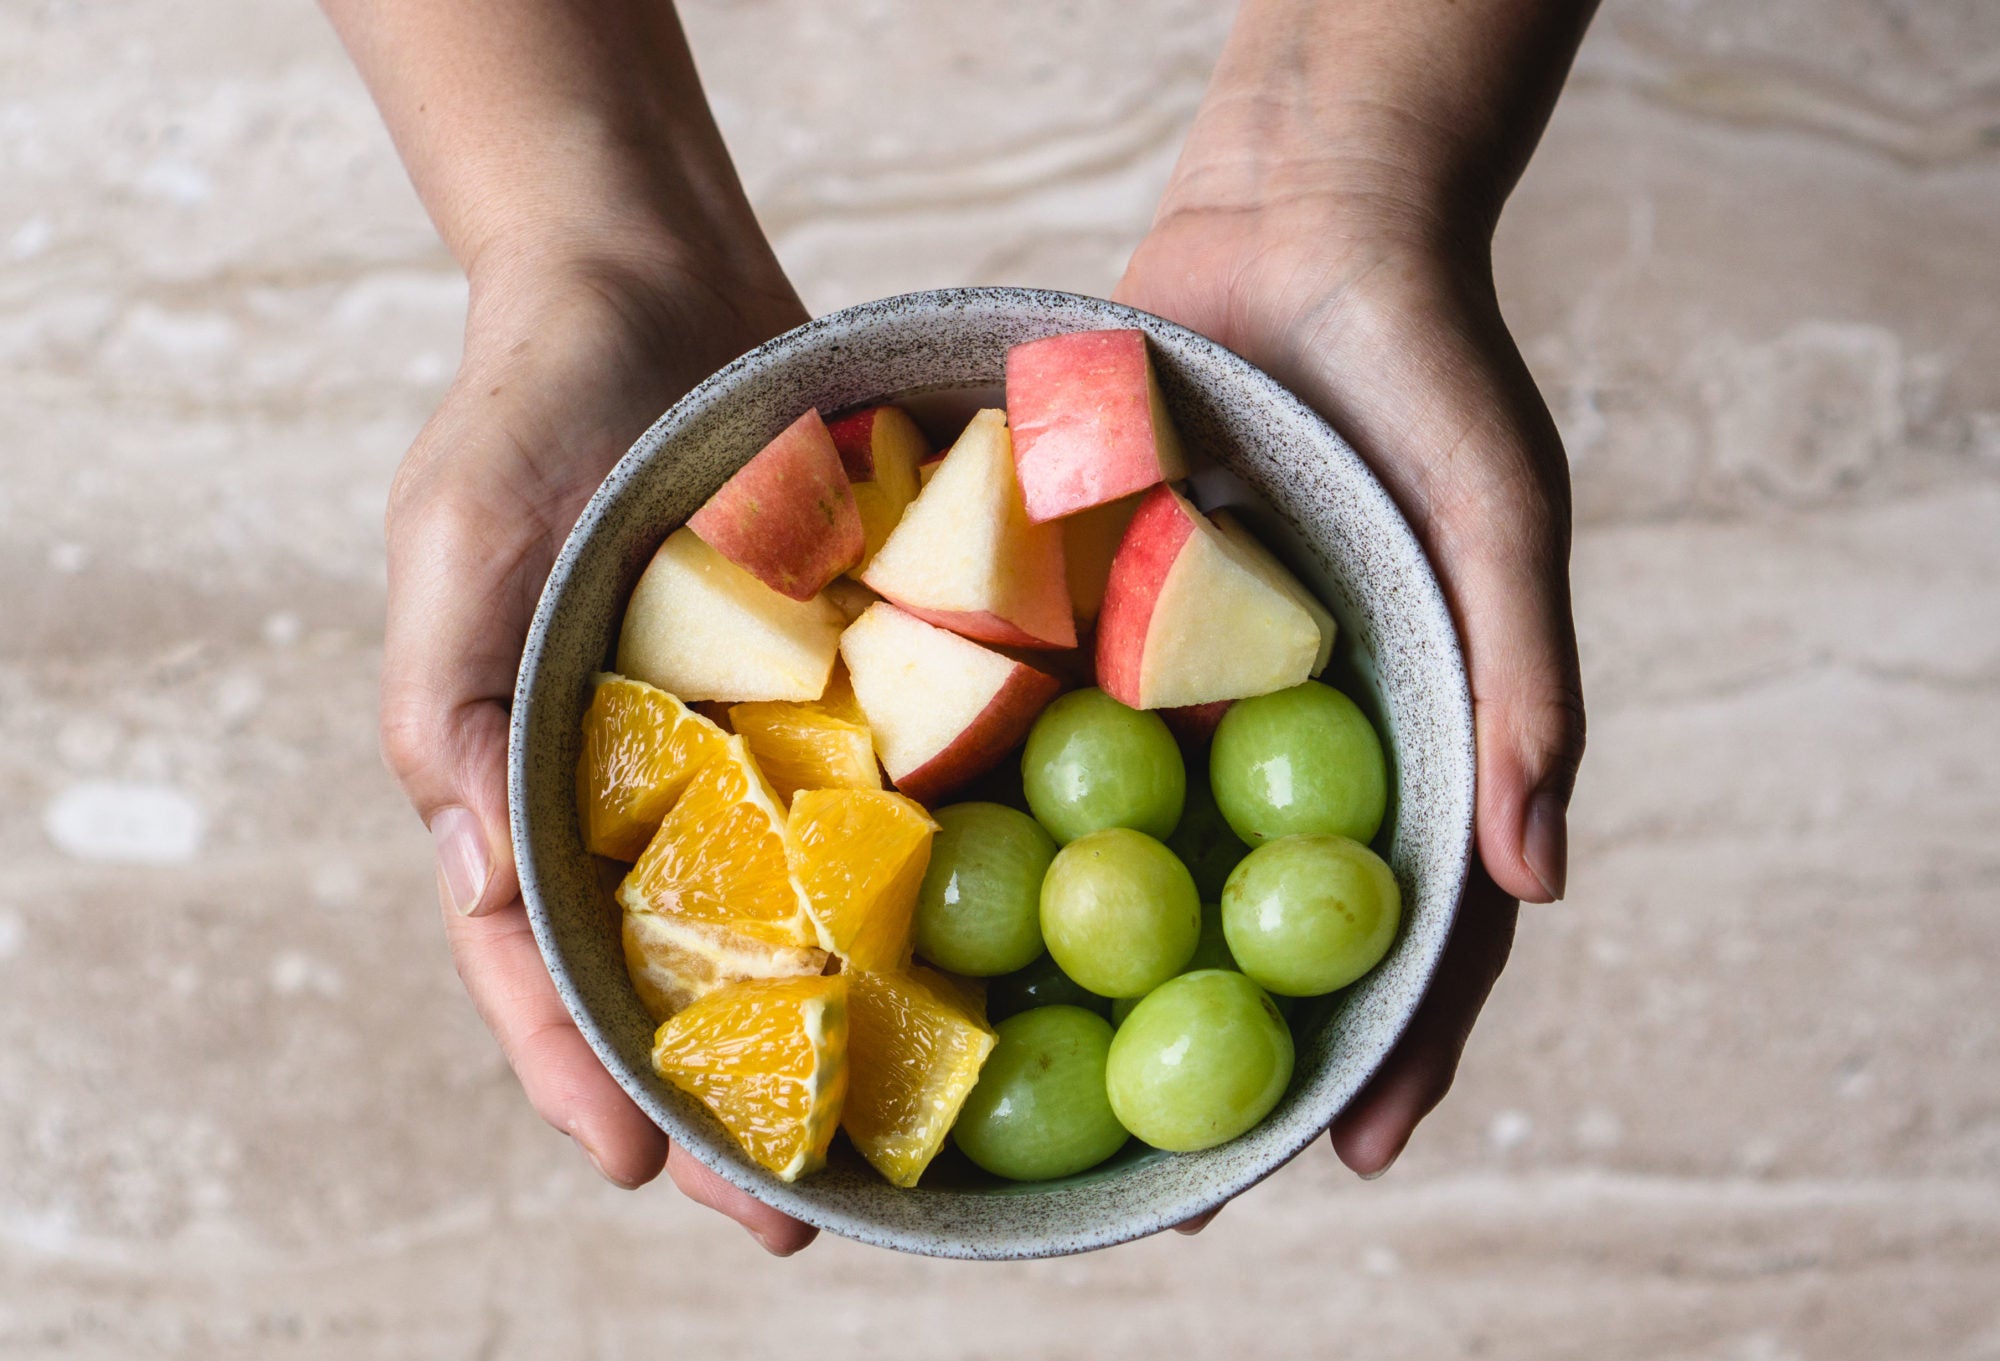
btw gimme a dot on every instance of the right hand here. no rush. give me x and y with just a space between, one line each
566 363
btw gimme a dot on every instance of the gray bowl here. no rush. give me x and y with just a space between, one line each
1303 488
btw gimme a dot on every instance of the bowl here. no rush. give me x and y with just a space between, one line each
1304 490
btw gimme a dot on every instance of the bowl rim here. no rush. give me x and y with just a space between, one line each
796 1199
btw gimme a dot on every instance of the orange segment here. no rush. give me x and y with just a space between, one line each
719 857
838 698
915 1048
769 1058
861 855
640 748
806 746
675 962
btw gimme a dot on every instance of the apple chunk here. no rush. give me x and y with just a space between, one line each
700 627
1090 540
943 709
788 515
1264 562
1090 425
965 556
1189 619
881 448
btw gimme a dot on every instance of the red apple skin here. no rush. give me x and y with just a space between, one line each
1000 727
1088 427
1139 570
856 433
788 516
1194 725
983 626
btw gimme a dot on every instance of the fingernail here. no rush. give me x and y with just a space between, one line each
1194 1226
598 1163
1545 841
769 1245
461 857
1376 1175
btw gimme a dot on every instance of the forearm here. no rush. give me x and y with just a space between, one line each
1420 101
554 126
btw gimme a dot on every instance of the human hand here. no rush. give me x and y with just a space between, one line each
565 365
1340 244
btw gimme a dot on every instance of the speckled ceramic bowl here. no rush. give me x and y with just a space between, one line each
1302 487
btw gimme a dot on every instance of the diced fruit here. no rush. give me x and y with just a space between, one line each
1188 620
806 746
979 910
928 469
1200 1060
787 516
1041 1110
1203 839
719 857
1305 915
1092 763
769 1058
943 709
850 597
1119 912
914 1052
1211 952
861 855
881 448
1263 561
701 627
839 698
640 748
965 556
1193 725
1041 984
1090 424
1090 540
674 961
1304 759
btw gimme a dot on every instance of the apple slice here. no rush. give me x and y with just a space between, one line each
881 448
1194 725
1090 539
943 709
700 627
788 515
1090 425
1189 619
1267 564
850 597
965 557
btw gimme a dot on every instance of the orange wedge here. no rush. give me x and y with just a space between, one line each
860 855
915 1046
838 697
640 748
719 857
807 746
769 1058
675 962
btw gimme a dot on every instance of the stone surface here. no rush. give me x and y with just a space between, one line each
1738 1100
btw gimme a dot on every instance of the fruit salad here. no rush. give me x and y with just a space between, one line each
844 914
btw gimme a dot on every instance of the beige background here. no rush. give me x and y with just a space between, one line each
1738 1099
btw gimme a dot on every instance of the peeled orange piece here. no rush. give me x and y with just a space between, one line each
719 857
769 1058
861 855
674 962
640 748
838 697
807 746
915 1045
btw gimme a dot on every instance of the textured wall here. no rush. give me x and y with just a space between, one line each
1738 1098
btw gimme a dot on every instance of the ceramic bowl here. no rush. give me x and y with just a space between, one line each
1305 491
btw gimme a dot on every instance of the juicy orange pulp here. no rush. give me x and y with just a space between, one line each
641 746
673 961
861 856
769 1058
719 857
807 746
915 1047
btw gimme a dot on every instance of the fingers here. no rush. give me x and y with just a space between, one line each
503 973
1191 1227
1372 1132
780 1234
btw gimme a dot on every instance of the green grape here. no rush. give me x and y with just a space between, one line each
978 912
1200 1060
1305 915
1092 763
1041 984
1119 912
1203 839
1210 952
1040 1109
1300 760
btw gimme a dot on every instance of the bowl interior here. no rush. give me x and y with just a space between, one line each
1305 492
